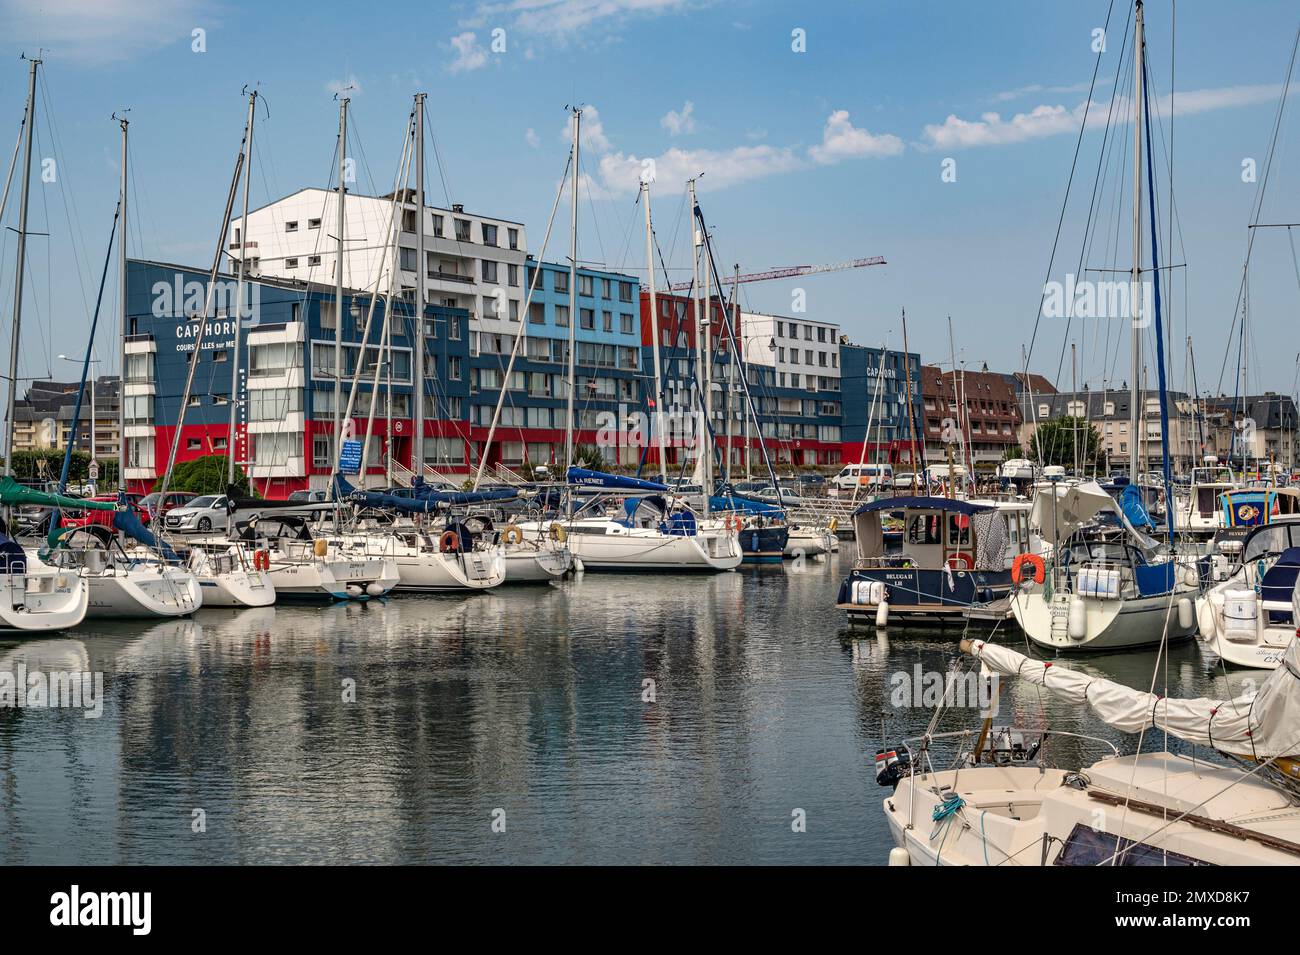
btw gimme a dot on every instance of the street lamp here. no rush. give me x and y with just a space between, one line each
93 361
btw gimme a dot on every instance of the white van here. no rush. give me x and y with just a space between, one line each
875 477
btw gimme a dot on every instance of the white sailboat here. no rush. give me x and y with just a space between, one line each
35 598
1000 806
1248 618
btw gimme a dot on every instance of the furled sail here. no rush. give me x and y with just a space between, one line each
1259 726
583 477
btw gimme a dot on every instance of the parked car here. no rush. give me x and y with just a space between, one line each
77 518
308 497
783 495
864 476
202 515
158 504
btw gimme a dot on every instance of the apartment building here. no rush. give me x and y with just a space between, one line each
1109 413
43 418
874 385
977 409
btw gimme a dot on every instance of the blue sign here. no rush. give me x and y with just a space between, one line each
350 458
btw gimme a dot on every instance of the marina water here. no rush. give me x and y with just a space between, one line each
607 719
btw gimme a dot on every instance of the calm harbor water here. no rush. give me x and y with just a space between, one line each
523 700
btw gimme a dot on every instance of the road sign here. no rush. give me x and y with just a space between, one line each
93 470
350 458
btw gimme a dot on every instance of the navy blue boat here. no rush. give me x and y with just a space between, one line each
955 555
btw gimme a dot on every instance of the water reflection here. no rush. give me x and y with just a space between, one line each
637 719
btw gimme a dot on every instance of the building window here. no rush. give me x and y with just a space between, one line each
607 321
220 355
462 230
625 324
313 223
489 271
195 401
512 237
290 263
561 281
408 259
562 316
291 226
313 261
453 367
489 234
512 275
437 226
193 444
536 313
625 291
320 451
514 310
584 285
587 318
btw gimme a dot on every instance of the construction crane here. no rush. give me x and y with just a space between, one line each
792 271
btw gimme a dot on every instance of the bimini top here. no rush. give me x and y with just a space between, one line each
931 503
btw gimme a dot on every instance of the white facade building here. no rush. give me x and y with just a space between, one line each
801 352
472 262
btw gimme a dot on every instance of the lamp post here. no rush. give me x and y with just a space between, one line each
92 361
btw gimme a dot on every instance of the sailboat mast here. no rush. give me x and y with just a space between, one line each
656 416
121 291
911 412
706 355
697 242
1135 288
339 226
420 274
573 295
239 299
21 263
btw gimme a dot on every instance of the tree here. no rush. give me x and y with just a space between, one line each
205 475
590 457
1056 439
38 467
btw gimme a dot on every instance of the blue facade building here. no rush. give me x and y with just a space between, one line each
879 375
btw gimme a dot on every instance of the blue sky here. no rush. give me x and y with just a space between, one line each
808 157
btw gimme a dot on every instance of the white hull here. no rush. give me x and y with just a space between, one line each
41 600
537 565
226 582
1262 651
1111 624
620 548
430 571
808 542
325 578
143 590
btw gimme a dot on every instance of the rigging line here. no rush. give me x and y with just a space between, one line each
1259 204
1060 222
76 233
1069 322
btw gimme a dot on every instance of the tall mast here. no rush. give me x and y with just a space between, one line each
697 307
1135 290
123 122
420 270
706 356
239 298
656 417
573 295
21 263
911 416
339 226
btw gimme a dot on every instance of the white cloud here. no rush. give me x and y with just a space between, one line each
1022 92
842 140
98 31
530 137
564 17
992 130
621 173
591 129
677 123
338 87
470 54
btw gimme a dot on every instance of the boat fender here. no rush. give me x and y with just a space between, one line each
449 542
1077 620
1018 574
898 856
513 534
374 590
1186 614
320 547
882 613
558 533
834 525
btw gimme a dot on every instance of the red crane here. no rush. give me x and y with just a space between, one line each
791 272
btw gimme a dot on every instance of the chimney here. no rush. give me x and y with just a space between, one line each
457 207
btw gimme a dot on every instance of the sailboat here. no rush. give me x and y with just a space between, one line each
1001 805
1107 588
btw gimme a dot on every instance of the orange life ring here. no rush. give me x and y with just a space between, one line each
1033 560
961 561
738 523
449 542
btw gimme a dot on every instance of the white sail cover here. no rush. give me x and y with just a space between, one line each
1258 726
1076 505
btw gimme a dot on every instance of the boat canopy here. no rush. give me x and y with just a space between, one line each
1258 725
14 494
417 501
1075 505
613 482
746 505
1270 539
928 503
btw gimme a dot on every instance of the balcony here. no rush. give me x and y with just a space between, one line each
450 277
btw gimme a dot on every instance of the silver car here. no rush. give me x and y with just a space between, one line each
201 515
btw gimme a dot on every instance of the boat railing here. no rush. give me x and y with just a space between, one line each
1044 734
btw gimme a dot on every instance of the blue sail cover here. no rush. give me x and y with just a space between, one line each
425 502
613 482
125 521
1130 502
743 504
